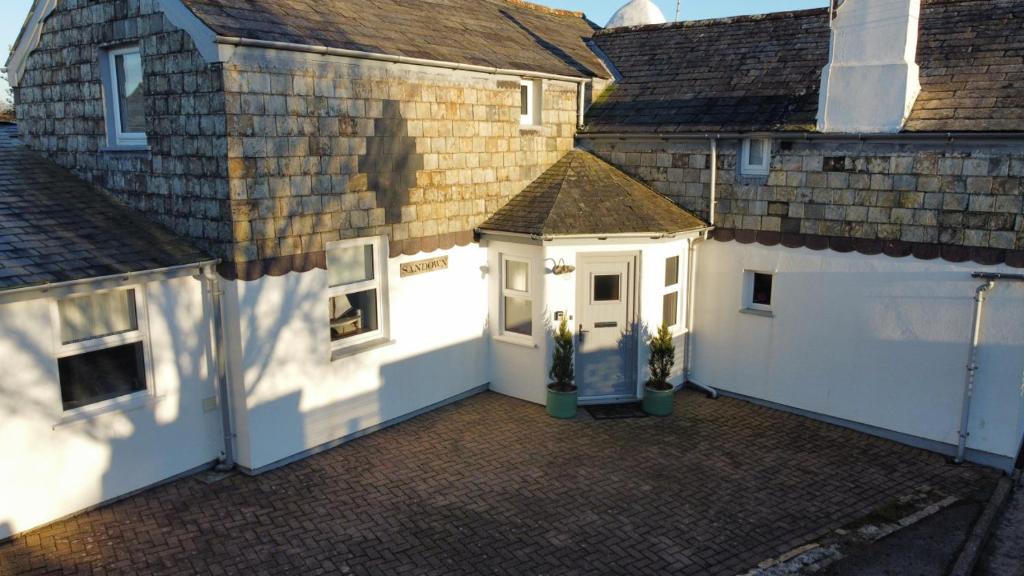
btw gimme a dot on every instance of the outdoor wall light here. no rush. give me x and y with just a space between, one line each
563 268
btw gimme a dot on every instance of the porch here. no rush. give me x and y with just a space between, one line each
492 485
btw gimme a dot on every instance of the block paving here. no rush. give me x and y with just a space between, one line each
492 485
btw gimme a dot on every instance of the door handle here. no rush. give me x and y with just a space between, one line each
580 333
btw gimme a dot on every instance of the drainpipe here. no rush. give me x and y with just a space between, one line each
213 285
691 277
972 356
581 105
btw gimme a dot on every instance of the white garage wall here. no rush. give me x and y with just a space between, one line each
51 469
870 339
296 399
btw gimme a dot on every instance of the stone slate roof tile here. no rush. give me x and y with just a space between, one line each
496 33
54 227
583 195
749 73
971 54
763 73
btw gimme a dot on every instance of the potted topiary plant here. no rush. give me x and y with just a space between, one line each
658 393
562 391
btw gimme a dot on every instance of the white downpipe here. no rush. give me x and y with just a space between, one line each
972 355
714 182
581 105
212 281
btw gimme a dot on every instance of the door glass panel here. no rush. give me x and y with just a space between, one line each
606 287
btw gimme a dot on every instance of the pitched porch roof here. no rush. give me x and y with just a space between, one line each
583 195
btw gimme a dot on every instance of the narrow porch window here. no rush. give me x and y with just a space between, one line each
517 297
670 299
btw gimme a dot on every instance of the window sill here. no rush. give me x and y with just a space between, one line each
125 149
522 342
530 130
756 312
340 353
119 405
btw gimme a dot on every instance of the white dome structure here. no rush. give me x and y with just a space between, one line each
636 13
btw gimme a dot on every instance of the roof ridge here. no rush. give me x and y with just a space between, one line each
544 9
572 157
767 16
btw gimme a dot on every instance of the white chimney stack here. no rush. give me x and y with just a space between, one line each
872 78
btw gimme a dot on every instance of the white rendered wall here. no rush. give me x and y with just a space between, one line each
871 339
521 371
296 399
50 470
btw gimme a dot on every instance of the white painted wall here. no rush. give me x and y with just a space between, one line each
295 398
871 339
50 470
522 372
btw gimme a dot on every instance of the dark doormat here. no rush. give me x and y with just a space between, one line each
616 411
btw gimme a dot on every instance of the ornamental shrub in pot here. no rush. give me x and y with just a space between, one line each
658 393
562 390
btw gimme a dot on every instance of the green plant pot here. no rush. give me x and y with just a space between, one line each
561 404
658 402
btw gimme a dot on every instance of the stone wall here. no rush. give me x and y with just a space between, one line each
326 148
181 181
912 195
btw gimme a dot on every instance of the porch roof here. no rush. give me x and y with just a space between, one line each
584 195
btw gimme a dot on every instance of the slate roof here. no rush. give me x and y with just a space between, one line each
584 195
763 73
971 54
749 73
55 227
496 33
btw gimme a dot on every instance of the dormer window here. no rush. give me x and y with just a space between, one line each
756 157
529 102
125 99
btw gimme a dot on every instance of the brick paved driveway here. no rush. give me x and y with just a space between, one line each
491 485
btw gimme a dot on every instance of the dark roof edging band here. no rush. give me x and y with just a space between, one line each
279 266
873 247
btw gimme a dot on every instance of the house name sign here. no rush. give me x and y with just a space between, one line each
424 266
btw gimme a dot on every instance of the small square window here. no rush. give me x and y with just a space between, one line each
516 297
530 102
101 352
755 157
758 291
356 292
124 87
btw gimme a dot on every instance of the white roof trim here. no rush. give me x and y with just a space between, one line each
176 12
41 10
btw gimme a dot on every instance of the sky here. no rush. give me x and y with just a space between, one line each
13 12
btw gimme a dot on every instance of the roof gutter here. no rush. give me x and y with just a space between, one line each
898 137
361 55
71 286
617 236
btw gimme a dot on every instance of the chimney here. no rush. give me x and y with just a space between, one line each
872 78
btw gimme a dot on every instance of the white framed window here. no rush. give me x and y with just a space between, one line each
516 297
670 298
125 100
758 290
101 351
756 157
357 291
530 98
